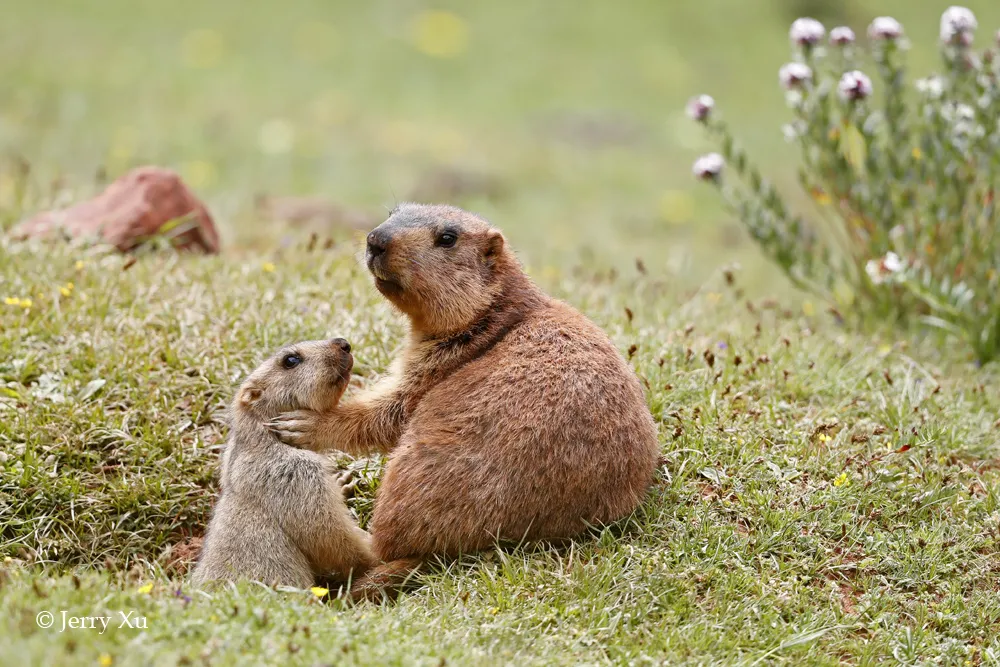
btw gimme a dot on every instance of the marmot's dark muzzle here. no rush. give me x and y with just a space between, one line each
378 242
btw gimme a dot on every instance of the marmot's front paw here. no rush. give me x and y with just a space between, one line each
348 482
297 429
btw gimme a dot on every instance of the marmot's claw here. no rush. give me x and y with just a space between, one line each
293 428
289 438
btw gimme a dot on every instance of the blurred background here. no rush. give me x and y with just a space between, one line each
562 121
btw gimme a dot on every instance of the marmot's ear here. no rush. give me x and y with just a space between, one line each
249 394
494 244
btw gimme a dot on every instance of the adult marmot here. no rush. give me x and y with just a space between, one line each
281 516
510 415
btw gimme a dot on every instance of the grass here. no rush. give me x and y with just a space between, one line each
824 496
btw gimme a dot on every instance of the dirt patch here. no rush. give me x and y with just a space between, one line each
180 557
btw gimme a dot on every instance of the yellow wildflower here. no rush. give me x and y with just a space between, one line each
268 267
319 591
25 303
821 197
12 301
79 265
440 34
808 309
677 207
917 153
853 146
823 437
146 588
842 480
105 660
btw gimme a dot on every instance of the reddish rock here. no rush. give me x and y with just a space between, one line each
133 208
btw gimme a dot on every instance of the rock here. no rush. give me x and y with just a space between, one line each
133 208
313 212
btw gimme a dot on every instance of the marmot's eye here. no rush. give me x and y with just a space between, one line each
291 360
446 240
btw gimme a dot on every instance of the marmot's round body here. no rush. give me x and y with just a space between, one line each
509 416
281 517
544 434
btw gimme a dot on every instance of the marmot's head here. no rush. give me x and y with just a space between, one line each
311 375
440 265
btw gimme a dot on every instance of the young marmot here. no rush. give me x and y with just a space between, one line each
281 517
510 415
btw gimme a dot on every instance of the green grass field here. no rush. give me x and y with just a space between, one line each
824 497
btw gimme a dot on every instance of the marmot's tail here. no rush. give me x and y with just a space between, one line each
385 582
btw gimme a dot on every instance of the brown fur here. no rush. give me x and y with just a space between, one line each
510 416
281 517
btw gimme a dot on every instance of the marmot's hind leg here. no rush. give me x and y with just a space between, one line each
385 582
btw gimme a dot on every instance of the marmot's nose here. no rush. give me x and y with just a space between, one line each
377 243
342 344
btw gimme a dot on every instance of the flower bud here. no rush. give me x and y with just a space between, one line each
932 87
794 75
854 86
792 131
708 167
879 270
885 28
806 32
957 26
842 36
700 108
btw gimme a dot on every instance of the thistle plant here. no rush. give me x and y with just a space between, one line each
903 176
